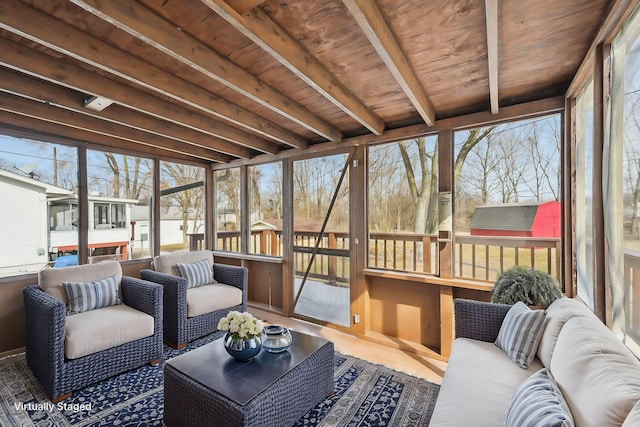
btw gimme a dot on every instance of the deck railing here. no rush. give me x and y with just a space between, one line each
476 257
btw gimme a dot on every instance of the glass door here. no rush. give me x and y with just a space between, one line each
321 239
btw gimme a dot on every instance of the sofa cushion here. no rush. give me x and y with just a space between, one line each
558 313
520 333
197 273
167 263
478 385
51 279
633 419
96 330
598 375
92 295
213 297
539 402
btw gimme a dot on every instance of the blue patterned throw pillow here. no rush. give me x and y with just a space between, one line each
197 273
520 333
539 402
89 296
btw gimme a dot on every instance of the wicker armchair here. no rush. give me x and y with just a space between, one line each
48 327
227 293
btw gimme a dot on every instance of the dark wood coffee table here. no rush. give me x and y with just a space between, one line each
207 387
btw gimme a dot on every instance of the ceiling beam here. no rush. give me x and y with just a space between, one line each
145 25
244 6
34 25
39 90
29 127
38 64
260 29
373 25
49 113
491 14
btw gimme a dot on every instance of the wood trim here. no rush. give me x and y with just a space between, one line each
446 185
83 207
599 247
568 199
429 280
261 30
145 25
373 25
514 112
358 240
210 210
491 14
619 12
156 208
447 320
288 267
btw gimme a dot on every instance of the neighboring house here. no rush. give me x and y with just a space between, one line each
52 215
171 226
24 249
521 219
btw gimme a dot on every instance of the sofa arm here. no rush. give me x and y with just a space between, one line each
142 295
478 320
45 326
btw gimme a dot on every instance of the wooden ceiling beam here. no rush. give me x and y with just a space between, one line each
145 25
25 127
244 6
491 14
372 22
34 25
49 113
260 29
40 65
68 99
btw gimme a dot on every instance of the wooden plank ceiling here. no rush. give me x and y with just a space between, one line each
217 80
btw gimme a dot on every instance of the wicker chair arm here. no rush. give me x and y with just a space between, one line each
45 327
231 275
478 320
175 287
142 295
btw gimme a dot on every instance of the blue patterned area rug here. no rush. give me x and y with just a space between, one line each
365 395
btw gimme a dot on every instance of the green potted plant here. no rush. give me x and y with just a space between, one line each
532 287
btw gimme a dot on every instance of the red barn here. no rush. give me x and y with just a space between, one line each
521 219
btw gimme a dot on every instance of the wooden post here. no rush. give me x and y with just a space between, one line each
447 323
445 185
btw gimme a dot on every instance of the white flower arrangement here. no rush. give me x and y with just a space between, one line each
241 325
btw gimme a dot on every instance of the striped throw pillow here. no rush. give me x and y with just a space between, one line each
88 296
539 402
197 273
520 333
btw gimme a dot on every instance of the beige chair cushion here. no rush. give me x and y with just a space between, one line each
478 385
51 279
598 375
558 313
96 330
213 297
167 263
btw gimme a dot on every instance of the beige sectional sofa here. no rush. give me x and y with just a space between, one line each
596 373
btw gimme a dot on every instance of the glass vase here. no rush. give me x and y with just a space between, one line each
276 338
